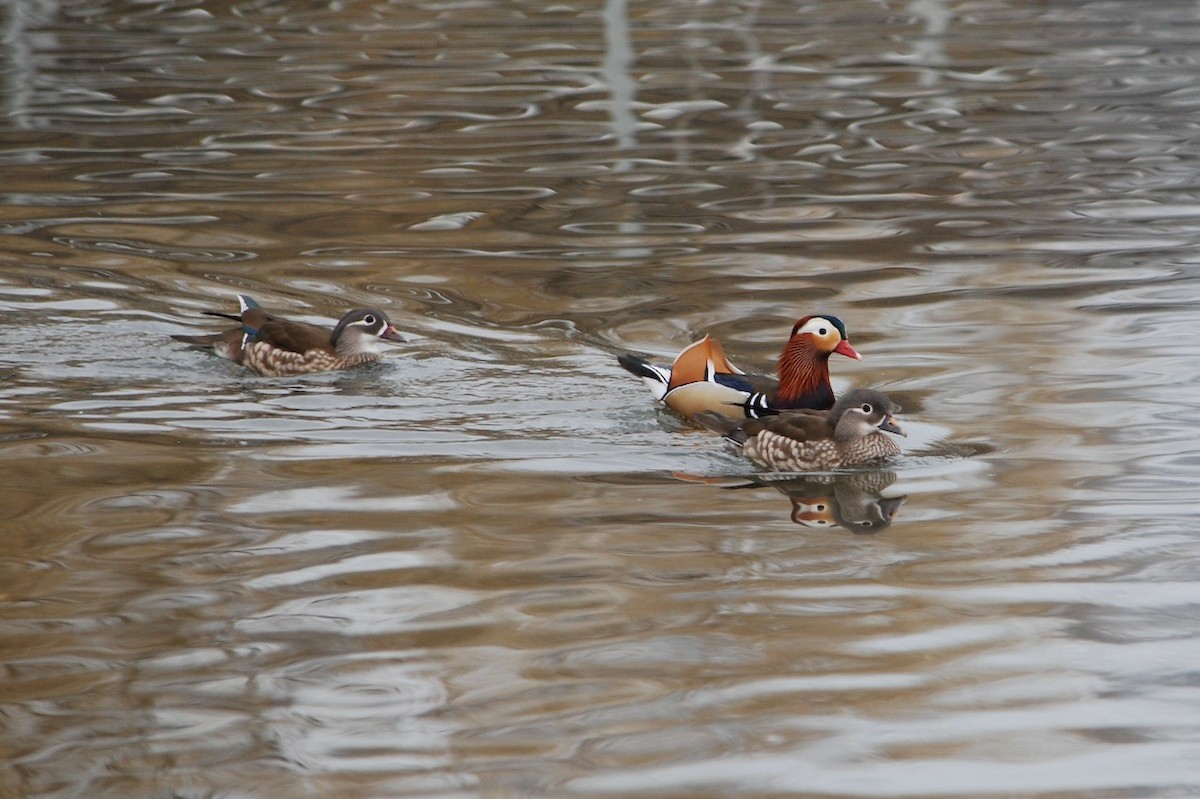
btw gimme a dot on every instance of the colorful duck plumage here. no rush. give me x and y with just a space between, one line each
275 347
849 435
702 379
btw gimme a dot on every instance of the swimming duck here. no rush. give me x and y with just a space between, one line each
703 379
848 435
275 347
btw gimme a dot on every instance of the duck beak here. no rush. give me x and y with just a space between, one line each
890 506
889 424
843 348
392 334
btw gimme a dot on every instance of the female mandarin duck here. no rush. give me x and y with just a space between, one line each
276 347
849 435
703 379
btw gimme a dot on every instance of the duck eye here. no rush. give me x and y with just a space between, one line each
866 408
824 331
368 320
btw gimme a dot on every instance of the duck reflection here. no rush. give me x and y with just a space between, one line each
854 501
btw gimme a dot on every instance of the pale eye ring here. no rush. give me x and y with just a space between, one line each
368 319
866 407
823 331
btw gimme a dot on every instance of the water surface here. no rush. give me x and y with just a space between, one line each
490 566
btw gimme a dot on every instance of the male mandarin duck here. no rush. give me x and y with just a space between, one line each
848 435
275 347
703 379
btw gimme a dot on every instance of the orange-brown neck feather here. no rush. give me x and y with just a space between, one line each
803 376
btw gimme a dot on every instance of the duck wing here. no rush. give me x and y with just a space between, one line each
287 335
800 425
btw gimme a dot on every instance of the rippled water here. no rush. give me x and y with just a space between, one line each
490 566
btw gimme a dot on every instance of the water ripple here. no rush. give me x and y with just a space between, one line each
492 565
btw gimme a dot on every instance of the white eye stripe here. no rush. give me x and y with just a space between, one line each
817 326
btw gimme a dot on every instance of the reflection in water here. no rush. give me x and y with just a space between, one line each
618 57
853 500
930 46
22 43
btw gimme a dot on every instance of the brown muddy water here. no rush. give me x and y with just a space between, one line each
490 567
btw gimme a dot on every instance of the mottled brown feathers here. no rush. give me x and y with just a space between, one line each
851 434
276 347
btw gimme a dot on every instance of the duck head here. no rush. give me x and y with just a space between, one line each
803 366
363 330
861 412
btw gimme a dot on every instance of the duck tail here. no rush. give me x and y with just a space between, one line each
207 340
244 304
723 425
656 378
